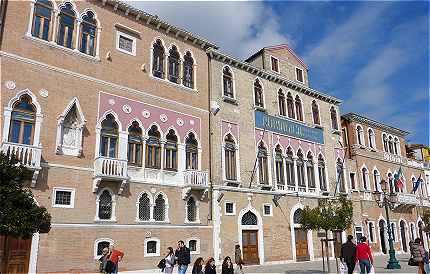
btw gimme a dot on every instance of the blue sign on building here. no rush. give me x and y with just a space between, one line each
287 127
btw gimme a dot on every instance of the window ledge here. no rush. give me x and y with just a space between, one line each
164 80
336 131
260 108
318 126
52 44
230 100
232 183
192 223
100 221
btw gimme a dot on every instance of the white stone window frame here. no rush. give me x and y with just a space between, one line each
197 221
96 243
355 181
151 207
197 251
355 230
373 232
237 147
128 36
72 197
67 150
113 215
7 117
271 64
367 178
225 208
232 80
166 208
357 132
371 138
264 210
297 76
262 90
157 253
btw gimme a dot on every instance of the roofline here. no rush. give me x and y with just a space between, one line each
154 21
252 57
359 118
216 54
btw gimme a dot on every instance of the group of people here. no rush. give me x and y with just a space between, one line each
352 253
110 259
181 257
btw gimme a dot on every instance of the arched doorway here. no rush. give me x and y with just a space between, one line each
403 236
382 234
301 238
249 224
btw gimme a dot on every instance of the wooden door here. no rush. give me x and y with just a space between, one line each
250 246
302 253
16 257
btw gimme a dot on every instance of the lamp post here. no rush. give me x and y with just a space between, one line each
387 199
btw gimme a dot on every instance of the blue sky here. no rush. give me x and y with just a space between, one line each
372 55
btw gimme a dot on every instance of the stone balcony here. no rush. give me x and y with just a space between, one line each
110 169
28 155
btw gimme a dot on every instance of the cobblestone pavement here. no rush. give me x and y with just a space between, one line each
316 267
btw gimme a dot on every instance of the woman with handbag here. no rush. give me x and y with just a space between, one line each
169 260
417 255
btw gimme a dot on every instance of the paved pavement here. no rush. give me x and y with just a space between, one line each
316 267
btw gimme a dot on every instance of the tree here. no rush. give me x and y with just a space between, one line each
20 215
330 215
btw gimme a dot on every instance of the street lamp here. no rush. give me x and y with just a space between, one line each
387 199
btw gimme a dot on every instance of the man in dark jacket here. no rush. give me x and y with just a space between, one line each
183 257
348 254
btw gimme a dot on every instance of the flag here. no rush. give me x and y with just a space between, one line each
399 179
416 184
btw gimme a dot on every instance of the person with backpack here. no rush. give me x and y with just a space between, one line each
348 254
417 255
183 257
364 256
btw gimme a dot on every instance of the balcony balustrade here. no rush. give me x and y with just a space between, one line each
112 169
27 155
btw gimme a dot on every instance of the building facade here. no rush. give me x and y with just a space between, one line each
276 145
376 152
108 106
140 134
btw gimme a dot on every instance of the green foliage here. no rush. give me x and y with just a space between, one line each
329 215
20 216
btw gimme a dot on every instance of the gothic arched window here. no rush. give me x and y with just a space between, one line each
158 59
321 173
300 169
188 78
227 78
230 158
249 218
109 137
191 210
279 167
105 205
174 65
298 105
42 19
153 149
88 34
160 208
258 94
191 152
310 171
315 113
263 169
135 144
66 26
281 103
144 207
290 106
171 151
333 116
289 167
22 121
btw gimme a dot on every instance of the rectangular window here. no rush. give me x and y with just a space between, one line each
352 180
299 75
126 43
63 197
358 232
275 64
229 208
267 210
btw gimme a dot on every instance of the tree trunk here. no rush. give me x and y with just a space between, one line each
327 251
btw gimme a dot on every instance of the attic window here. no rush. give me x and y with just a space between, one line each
275 64
299 75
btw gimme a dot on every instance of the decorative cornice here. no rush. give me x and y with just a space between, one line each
155 22
216 54
361 119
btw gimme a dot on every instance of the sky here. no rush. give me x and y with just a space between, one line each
374 56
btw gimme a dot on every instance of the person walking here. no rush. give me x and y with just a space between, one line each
103 260
227 266
182 257
210 266
170 261
348 254
364 256
238 258
198 266
115 257
418 254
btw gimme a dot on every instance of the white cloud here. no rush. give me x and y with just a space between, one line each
239 28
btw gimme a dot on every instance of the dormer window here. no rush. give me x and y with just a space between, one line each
299 75
275 64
